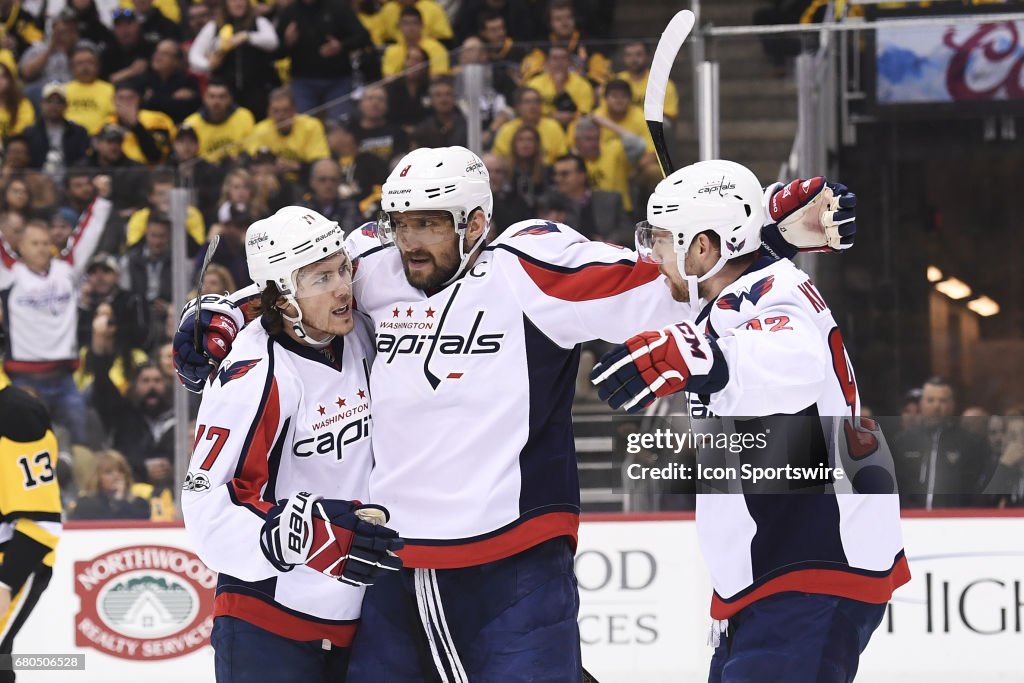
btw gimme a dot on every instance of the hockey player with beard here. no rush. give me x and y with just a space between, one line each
281 461
477 353
803 579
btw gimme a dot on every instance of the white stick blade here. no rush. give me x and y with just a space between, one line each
672 39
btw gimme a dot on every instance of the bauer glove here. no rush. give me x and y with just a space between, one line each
343 539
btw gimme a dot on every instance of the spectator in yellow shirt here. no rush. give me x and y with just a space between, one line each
435 21
637 61
221 126
368 13
411 26
148 134
557 79
16 112
619 110
561 21
297 140
607 165
158 196
528 111
90 100
20 29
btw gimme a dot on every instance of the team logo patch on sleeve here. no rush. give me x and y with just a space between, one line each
732 302
538 229
235 370
369 229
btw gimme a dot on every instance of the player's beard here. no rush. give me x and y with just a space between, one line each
441 269
680 291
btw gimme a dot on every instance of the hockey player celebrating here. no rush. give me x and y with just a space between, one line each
477 353
802 579
288 414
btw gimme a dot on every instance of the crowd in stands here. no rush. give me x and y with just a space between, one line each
106 106
945 457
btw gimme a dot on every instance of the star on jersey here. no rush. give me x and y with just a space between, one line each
321 410
395 312
340 402
361 394
408 313
430 312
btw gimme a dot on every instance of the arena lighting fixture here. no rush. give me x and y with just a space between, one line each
934 274
983 306
953 288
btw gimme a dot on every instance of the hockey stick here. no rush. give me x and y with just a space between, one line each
210 248
657 82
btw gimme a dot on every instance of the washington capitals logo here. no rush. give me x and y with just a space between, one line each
732 302
369 229
538 229
236 370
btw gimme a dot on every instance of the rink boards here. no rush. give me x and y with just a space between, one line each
135 601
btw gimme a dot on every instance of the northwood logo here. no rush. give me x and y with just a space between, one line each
144 602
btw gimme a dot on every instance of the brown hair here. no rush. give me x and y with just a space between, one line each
257 203
11 99
535 164
108 457
243 23
267 309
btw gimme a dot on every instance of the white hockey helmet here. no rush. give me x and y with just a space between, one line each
719 196
450 179
280 245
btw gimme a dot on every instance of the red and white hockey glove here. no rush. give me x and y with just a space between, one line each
810 215
655 364
219 323
343 539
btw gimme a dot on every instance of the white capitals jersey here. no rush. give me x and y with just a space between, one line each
278 418
785 356
40 310
473 386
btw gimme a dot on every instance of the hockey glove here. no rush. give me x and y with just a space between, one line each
219 323
809 216
342 539
655 364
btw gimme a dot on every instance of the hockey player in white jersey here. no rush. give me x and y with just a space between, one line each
802 579
477 352
282 459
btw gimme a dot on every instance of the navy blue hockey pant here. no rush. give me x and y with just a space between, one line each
244 653
503 622
795 638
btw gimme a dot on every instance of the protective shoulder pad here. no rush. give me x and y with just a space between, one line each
558 246
363 241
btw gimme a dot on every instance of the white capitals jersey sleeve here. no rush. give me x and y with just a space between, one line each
576 290
239 422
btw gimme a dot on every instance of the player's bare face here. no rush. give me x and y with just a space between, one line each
324 292
429 247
